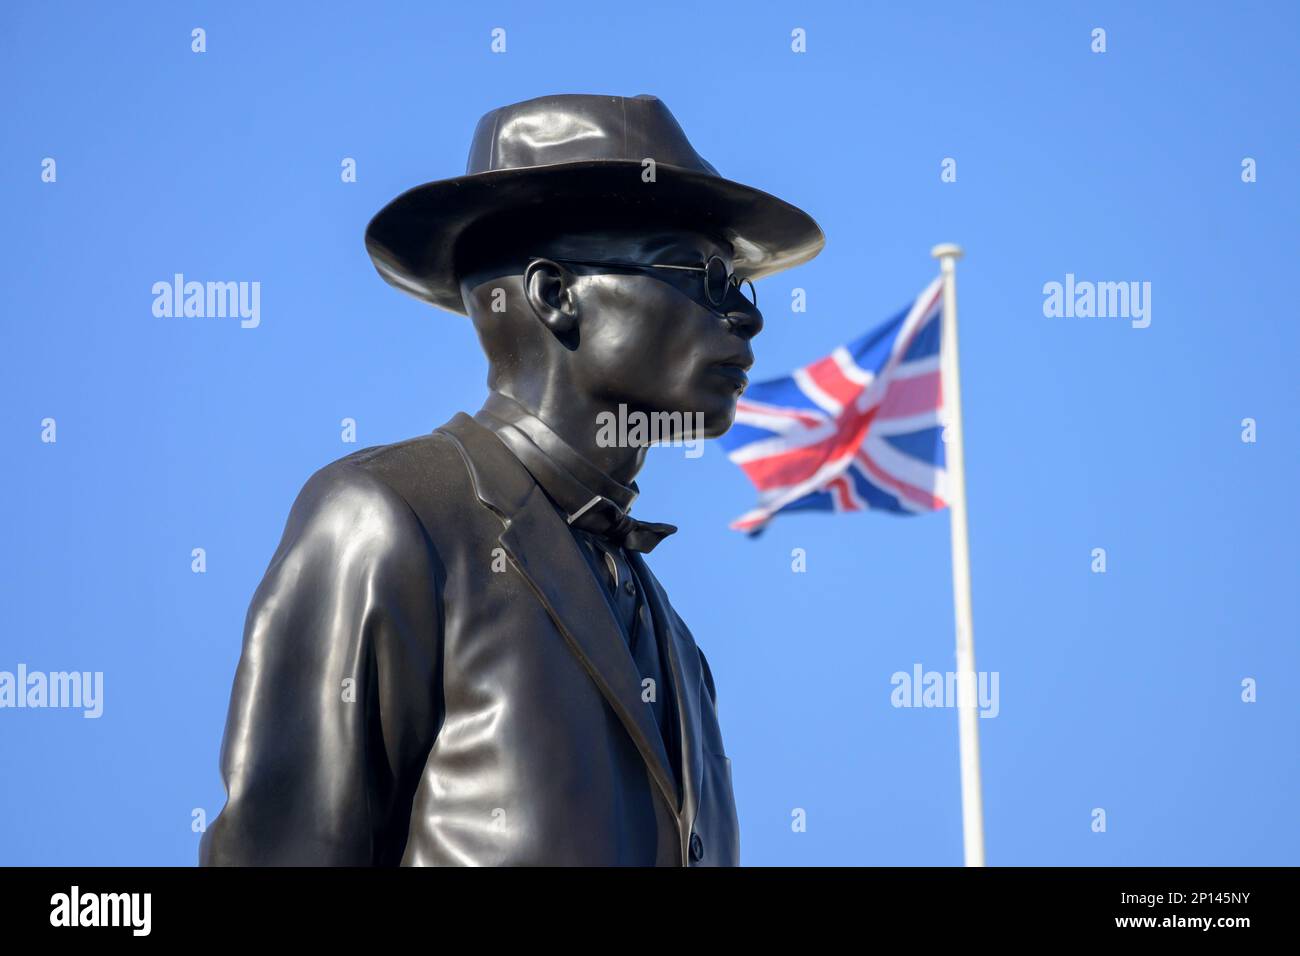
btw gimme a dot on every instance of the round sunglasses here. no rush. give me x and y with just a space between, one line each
718 279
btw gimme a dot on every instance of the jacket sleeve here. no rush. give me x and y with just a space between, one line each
336 699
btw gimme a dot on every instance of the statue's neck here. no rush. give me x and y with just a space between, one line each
575 420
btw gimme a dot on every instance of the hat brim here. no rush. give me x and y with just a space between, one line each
413 240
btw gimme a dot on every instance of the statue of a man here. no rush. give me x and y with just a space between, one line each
458 654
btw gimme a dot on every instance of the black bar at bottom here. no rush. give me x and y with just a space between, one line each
333 906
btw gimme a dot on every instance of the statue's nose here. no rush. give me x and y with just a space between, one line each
746 322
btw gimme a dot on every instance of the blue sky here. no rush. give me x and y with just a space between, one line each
1119 691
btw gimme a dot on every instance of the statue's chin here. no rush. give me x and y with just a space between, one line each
719 423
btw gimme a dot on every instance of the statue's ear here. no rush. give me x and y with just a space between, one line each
548 286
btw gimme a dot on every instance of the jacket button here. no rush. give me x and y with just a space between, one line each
697 848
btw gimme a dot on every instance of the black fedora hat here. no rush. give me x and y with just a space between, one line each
588 151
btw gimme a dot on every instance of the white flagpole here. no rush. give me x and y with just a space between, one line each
972 801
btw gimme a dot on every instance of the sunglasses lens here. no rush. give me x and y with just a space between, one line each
715 280
748 291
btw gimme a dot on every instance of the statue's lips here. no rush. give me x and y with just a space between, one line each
733 371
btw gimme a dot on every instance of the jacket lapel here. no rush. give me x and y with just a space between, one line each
544 551
687 677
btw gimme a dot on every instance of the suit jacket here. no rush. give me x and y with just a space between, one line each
431 675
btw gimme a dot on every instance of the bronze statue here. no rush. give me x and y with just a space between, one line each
458 654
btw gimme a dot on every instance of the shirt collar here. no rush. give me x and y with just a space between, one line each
567 477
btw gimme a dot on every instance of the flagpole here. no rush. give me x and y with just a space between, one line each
968 734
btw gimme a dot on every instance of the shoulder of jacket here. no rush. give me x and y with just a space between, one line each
351 502
420 483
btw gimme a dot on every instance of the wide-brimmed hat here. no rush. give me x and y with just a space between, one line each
585 151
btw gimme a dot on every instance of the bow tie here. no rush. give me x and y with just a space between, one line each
603 518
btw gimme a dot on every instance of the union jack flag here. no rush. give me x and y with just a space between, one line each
859 429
